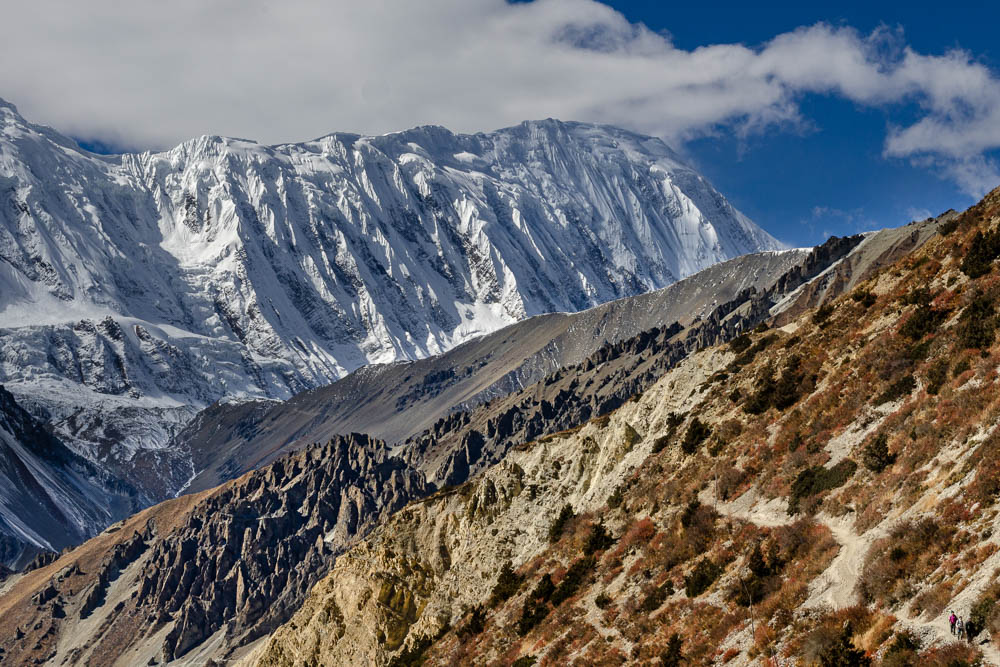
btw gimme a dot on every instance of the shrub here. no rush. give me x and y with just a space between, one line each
962 366
696 434
864 297
977 324
572 580
936 376
904 386
946 228
818 479
924 320
688 515
598 540
983 249
617 497
524 661
536 607
672 655
910 553
781 393
656 598
559 525
476 624
876 455
740 343
984 614
603 600
704 575
822 314
507 585
674 420
748 355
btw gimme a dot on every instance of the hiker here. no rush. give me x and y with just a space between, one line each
951 621
960 627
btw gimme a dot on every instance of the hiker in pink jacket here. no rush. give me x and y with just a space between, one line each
951 621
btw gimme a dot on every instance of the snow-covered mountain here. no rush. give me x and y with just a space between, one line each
136 289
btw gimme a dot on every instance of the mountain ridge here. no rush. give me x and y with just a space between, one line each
139 288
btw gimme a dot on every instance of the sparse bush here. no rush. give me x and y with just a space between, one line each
818 479
936 376
524 661
617 497
704 575
573 580
822 314
977 324
696 434
598 540
924 320
876 455
904 386
508 583
864 297
566 515
983 249
963 365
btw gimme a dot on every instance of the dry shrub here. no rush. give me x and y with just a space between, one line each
930 602
907 555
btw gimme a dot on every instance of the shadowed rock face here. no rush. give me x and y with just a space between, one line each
240 560
50 498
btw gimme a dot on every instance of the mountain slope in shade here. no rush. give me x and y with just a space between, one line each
135 289
50 497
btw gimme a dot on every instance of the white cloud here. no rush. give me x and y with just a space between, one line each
154 73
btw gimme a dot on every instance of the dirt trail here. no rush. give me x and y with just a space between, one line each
835 587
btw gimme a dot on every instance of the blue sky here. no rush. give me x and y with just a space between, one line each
829 177
813 120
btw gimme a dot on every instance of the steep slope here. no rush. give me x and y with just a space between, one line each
819 493
50 498
136 289
395 401
126 606
541 375
197 577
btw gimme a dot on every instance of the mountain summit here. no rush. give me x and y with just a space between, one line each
137 288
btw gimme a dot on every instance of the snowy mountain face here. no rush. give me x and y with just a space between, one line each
139 288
